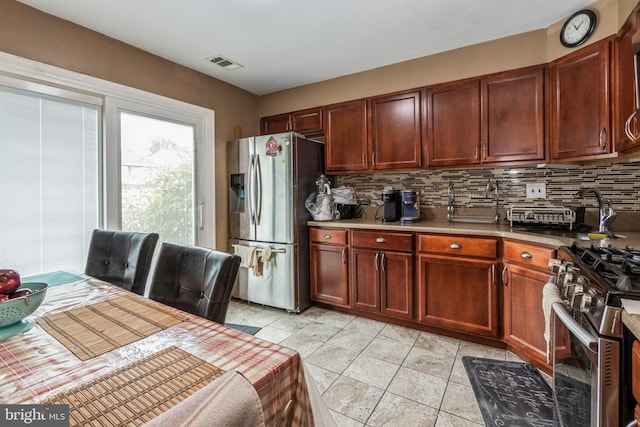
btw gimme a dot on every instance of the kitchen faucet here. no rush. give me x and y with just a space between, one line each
606 213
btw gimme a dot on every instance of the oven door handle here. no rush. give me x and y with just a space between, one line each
586 338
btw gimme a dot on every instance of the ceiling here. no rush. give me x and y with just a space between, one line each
287 43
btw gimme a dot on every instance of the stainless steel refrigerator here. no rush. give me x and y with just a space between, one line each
269 179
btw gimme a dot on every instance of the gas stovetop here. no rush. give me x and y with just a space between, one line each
613 271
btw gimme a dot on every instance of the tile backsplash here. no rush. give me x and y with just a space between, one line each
618 182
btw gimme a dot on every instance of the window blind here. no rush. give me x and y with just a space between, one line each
49 180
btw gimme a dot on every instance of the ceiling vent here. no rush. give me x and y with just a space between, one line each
223 62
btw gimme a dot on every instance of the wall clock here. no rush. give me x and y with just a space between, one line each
578 28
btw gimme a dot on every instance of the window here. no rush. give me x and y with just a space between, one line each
60 163
49 180
157 176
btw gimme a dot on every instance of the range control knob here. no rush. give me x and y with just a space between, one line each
576 300
586 303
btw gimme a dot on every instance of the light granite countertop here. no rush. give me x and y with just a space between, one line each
626 238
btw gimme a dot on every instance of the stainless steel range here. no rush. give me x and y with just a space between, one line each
591 370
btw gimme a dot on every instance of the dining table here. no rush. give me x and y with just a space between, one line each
88 334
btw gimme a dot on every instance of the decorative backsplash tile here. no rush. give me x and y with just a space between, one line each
617 182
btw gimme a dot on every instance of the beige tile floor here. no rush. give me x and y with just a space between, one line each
372 373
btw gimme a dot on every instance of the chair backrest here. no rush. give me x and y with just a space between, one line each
122 258
195 279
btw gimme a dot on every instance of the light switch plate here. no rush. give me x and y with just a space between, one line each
537 190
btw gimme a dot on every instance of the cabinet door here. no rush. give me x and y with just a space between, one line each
365 279
307 122
580 104
396 273
513 108
274 124
453 123
395 131
458 294
623 93
346 136
523 315
328 266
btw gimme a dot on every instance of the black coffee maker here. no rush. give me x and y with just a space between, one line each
391 205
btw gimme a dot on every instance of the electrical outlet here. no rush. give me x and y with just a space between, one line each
537 190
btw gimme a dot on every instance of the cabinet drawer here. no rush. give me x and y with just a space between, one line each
459 245
530 255
327 236
383 240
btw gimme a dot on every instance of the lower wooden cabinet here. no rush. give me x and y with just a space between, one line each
382 273
524 275
329 266
456 284
447 282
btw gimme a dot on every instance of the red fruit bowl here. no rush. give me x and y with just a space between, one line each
14 310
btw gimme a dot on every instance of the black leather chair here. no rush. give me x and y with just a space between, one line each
195 279
122 258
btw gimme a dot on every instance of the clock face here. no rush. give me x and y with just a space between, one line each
578 28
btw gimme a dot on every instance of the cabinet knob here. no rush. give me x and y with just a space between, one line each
381 240
455 246
327 236
526 255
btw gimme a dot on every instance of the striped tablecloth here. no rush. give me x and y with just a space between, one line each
34 366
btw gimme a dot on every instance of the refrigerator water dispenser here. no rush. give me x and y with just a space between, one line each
236 192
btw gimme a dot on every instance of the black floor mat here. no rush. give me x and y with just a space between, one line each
510 393
251 330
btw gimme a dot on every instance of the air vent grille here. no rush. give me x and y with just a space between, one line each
224 62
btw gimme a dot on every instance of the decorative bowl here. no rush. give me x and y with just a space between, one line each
16 309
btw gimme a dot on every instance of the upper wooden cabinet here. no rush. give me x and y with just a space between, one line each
452 119
513 116
345 134
306 122
626 132
394 131
499 118
580 104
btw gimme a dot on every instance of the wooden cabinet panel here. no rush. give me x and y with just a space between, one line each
346 137
532 256
458 294
523 316
635 377
623 93
328 236
382 240
458 245
513 122
306 122
579 104
382 272
329 266
274 124
365 279
395 131
329 274
453 123
396 286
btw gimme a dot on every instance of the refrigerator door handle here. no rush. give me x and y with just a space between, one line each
251 189
258 207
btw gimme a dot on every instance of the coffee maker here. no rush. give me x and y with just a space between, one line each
391 205
409 206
